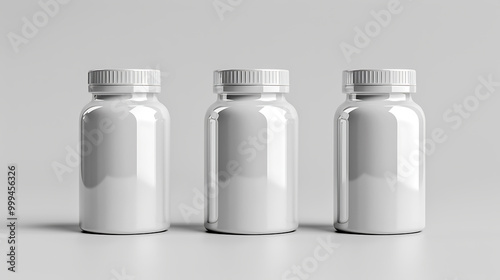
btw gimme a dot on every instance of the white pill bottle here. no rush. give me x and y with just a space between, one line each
379 154
124 134
251 154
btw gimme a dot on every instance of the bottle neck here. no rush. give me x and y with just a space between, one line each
133 96
398 96
266 96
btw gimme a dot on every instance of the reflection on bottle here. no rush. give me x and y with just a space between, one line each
343 166
212 188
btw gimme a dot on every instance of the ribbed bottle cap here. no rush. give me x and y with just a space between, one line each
114 81
379 81
251 81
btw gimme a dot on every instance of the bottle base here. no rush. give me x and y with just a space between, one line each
247 232
122 232
376 232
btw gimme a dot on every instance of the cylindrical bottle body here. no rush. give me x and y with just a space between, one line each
124 164
380 164
251 164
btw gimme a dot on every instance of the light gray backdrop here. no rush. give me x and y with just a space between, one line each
453 45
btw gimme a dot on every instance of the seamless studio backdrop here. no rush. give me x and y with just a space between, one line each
454 46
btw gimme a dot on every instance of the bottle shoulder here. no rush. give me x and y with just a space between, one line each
369 109
242 109
123 108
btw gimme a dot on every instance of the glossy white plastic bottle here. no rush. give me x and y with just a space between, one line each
380 162
251 154
124 154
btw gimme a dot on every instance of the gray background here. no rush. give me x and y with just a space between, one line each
450 44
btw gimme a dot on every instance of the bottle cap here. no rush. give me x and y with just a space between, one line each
246 81
115 81
379 81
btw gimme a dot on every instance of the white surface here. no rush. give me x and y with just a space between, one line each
59 250
451 44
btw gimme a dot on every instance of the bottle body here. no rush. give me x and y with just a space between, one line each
380 164
251 164
124 164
